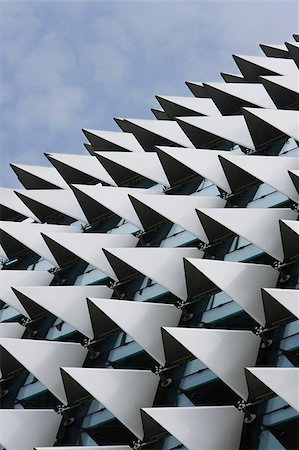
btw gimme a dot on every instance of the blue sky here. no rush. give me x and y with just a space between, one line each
67 65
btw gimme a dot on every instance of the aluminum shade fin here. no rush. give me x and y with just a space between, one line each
46 202
252 67
225 352
204 131
275 51
230 97
283 381
179 209
294 174
9 278
39 177
244 171
265 125
257 225
23 429
79 169
123 392
181 164
11 207
163 265
281 305
195 427
66 302
141 320
112 141
125 167
97 201
43 360
293 49
284 90
11 330
150 133
290 239
241 281
86 246
17 237
187 106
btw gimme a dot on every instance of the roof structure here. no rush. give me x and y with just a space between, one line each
149 287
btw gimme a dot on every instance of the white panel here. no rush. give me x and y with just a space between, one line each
83 163
145 164
288 82
269 169
283 120
66 302
62 201
22 429
123 392
280 305
206 428
9 199
29 234
241 281
11 330
280 66
89 246
44 358
164 128
225 352
116 199
15 278
163 265
49 174
231 128
259 226
126 141
179 209
204 106
283 381
142 321
204 162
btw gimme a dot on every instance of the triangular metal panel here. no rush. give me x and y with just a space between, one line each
243 171
140 320
112 141
225 352
230 97
257 225
204 131
179 164
124 167
163 265
86 246
179 209
15 237
14 278
79 169
195 427
283 90
22 429
150 133
39 177
281 305
275 51
283 381
266 125
252 67
290 239
187 106
241 281
10 201
44 202
43 359
66 302
123 392
109 200
294 174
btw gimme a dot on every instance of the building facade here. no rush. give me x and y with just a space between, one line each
148 286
